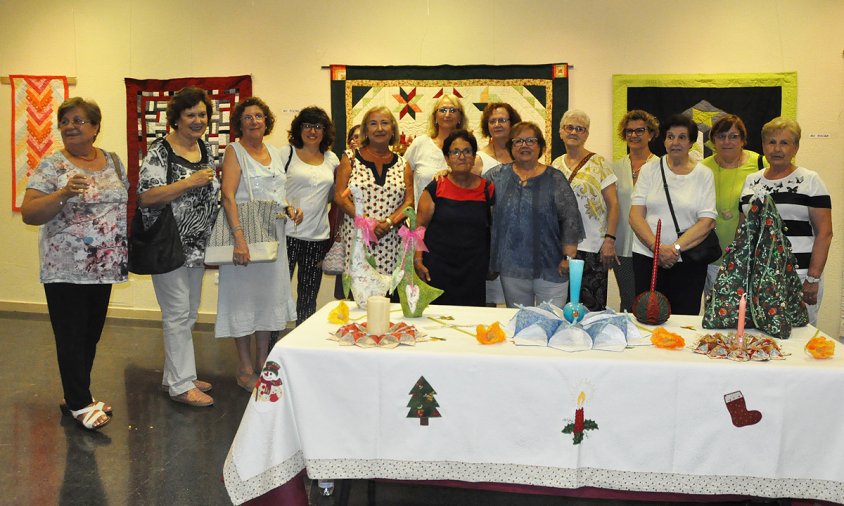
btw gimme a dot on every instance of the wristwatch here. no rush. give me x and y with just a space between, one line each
677 248
812 280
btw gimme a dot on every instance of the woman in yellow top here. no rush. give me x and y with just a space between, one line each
730 165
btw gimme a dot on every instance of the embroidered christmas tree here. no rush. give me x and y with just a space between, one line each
423 404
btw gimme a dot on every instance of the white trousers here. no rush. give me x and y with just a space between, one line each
178 293
532 292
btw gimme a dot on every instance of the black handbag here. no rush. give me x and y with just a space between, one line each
709 250
157 249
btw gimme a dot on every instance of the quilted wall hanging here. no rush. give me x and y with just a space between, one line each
538 92
755 98
35 134
146 115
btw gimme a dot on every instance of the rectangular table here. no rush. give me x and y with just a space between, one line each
652 420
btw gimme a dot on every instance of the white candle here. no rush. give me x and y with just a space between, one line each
377 315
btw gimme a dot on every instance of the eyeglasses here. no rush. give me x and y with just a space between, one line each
313 126
530 141
452 110
574 128
75 121
458 153
494 121
725 136
638 132
253 117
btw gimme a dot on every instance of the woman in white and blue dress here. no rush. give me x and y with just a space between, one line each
803 202
254 298
309 167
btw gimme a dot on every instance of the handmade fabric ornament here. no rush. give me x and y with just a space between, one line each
533 326
652 307
363 278
760 263
339 314
574 311
414 294
490 335
662 338
820 347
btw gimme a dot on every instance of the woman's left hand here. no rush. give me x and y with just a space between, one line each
810 293
608 256
296 215
563 268
382 228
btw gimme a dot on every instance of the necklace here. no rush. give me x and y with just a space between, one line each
378 156
523 179
87 159
726 206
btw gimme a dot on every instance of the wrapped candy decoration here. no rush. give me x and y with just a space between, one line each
652 307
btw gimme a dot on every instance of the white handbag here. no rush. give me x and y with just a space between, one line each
258 219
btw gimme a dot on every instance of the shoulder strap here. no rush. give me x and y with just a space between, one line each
579 166
290 157
117 168
668 195
760 162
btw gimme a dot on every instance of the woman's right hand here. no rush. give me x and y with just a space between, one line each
667 256
76 185
241 251
201 178
421 270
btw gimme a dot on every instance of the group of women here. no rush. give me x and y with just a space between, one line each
501 224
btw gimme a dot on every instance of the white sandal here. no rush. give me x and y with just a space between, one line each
92 412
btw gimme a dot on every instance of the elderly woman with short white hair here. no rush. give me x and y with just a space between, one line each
802 201
594 184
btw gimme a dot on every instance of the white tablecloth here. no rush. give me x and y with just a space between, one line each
662 421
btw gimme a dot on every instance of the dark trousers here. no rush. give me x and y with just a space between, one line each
681 284
307 255
77 314
593 288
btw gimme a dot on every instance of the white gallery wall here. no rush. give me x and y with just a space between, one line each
285 46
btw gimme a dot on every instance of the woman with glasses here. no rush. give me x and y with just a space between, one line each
456 211
692 192
425 154
637 128
496 121
79 195
254 299
536 224
310 188
386 182
730 165
179 170
593 182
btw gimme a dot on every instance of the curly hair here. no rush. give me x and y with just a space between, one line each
312 114
526 125
490 108
89 107
651 123
186 98
237 115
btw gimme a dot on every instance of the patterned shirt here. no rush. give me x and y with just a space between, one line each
195 210
86 242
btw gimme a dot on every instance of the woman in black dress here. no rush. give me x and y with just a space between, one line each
456 211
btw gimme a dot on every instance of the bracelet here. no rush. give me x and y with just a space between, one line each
609 236
812 280
389 221
235 229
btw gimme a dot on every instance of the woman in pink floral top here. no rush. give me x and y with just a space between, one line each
79 196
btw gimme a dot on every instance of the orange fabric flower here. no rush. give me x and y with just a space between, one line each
820 347
490 335
661 338
339 314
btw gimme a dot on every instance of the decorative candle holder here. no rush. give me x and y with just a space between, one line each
377 315
574 311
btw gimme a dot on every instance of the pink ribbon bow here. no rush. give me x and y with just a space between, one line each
367 228
415 237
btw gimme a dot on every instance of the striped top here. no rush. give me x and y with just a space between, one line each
793 195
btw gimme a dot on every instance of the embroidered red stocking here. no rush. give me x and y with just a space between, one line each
738 410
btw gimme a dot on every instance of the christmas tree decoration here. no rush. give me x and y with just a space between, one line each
414 294
755 348
653 307
739 413
364 279
357 334
574 311
759 264
580 424
820 347
423 404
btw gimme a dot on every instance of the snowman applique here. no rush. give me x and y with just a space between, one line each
268 387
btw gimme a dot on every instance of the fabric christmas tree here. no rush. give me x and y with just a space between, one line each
414 294
423 404
760 262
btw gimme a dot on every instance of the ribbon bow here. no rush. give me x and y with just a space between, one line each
413 238
367 228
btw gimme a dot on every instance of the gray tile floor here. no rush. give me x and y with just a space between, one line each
154 451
